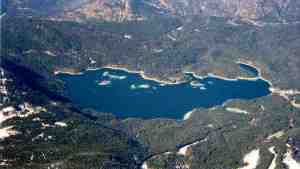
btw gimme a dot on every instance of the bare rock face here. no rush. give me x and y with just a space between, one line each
112 10
121 10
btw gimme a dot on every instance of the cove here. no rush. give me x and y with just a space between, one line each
130 95
251 70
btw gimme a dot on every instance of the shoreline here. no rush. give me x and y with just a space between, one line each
212 75
92 69
142 74
251 64
248 63
166 82
113 67
284 93
188 115
259 71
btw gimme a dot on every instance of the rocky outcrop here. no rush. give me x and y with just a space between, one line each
116 10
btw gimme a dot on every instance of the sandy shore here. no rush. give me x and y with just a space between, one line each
67 72
212 75
274 91
164 82
144 76
92 69
188 115
142 73
259 76
251 64
284 93
117 67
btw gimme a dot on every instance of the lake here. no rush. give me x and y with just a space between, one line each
130 95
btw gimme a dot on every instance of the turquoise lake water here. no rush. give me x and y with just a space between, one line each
129 95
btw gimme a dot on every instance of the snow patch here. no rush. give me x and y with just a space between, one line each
288 159
236 110
92 61
4 162
45 125
48 52
172 38
179 28
36 119
40 136
145 166
7 113
184 150
158 50
251 160
273 164
7 132
60 124
126 36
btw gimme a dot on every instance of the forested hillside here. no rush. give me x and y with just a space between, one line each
41 128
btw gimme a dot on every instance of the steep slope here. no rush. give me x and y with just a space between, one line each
164 48
121 10
40 129
276 10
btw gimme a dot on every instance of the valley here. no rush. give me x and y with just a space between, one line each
103 51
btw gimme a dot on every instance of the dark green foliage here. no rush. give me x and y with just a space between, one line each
204 45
